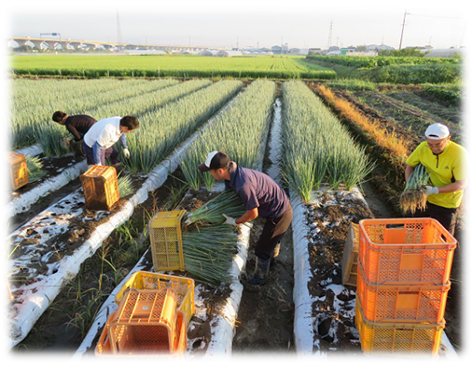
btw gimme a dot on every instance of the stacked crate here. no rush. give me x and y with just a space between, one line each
402 284
152 317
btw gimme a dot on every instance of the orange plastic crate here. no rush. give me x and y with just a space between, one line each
405 303
184 288
397 337
143 348
7 296
19 170
349 256
100 187
145 323
409 250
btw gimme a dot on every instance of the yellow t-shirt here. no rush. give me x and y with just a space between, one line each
444 169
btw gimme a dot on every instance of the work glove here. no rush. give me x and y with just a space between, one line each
65 143
126 152
229 220
429 190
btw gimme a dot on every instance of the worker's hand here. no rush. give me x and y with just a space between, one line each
429 190
229 220
65 143
126 152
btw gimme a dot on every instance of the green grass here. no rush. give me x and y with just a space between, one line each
159 66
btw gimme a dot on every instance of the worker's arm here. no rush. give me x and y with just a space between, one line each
74 132
450 188
248 216
408 171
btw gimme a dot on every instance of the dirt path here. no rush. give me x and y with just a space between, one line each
265 321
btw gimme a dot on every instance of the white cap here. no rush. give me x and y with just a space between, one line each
437 131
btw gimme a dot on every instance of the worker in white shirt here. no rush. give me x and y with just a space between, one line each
100 139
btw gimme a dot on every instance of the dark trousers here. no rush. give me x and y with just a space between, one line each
445 216
110 152
273 231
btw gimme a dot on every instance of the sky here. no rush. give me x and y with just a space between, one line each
300 23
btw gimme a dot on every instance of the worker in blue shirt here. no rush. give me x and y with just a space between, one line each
261 196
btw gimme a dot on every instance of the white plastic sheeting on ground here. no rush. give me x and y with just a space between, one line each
304 321
37 301
30 151
23 202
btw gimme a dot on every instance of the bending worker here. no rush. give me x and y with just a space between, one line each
100 139
77 125
261 196
446 164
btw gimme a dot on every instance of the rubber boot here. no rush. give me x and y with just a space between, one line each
259 276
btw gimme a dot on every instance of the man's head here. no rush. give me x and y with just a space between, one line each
128 124
437 137
60 117
217 163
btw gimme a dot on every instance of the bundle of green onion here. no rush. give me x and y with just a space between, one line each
34 166
208 253
125 185
227 203
414 196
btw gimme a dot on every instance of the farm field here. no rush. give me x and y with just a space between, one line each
285 67
67 264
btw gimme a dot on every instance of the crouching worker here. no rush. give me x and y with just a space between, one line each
78 126
261 196
100 139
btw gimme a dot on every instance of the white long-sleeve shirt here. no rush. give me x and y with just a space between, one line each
106 132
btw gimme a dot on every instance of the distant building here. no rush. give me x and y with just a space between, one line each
447 52
315 51
228 53
276 49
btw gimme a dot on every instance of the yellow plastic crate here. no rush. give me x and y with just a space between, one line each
166 241
145 323
349 256
397 337
100 187
184 288
138 350
18 170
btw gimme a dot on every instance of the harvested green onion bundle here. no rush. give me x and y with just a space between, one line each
414 196
34 166
208 253
125 185
227 203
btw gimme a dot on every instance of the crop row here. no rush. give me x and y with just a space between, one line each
26 119
138 105
316 147
379 61
162 130
238 131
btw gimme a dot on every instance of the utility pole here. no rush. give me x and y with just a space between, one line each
403 28
119 32
330 35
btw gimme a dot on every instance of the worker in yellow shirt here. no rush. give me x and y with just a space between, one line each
446 164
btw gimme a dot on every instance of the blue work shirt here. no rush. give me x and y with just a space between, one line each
257 190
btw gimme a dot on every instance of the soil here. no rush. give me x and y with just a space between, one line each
53 166
401 111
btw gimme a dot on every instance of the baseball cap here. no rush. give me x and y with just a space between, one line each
215 160
437 131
